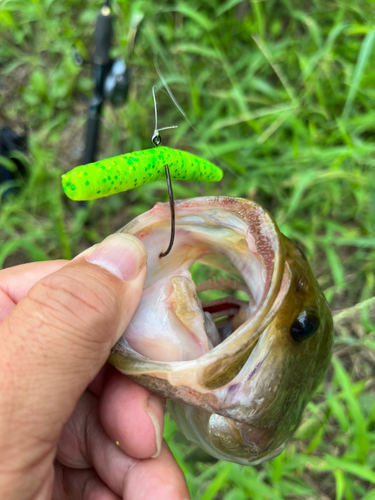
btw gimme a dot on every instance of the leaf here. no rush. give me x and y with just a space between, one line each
354 409
196 16
8 164
218 482
311 25
301 183
38 82
356 242
340 483
229 4
6 17
363 57
192 48
335 266
338 411
369 496
250 479
328 464
36 252
316 58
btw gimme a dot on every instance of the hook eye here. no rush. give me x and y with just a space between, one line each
156 140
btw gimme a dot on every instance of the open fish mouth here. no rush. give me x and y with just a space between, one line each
227 364
170 324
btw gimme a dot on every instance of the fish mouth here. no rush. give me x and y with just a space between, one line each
228 365
202 344
226 313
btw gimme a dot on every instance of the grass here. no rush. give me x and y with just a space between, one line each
281 95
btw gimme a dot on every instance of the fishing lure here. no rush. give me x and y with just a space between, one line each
131 170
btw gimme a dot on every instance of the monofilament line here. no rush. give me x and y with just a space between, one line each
156 140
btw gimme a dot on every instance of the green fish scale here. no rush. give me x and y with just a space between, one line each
131 170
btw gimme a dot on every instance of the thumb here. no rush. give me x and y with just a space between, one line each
57 338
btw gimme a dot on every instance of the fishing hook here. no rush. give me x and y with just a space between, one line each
171 204
156 141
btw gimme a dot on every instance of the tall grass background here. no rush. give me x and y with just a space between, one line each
281 95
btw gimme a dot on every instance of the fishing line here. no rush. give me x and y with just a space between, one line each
156 140
183 114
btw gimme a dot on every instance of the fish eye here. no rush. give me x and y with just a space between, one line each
304 326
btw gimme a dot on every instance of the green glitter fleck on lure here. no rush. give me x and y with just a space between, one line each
131 170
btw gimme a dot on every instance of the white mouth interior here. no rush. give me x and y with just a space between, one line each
171 324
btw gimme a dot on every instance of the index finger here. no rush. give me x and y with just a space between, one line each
16 281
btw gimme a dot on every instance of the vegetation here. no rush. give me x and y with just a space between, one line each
280 94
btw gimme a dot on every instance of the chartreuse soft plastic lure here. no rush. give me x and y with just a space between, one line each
128 171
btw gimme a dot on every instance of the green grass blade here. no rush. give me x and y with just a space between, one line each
327 47
340 483
328 464
363 57
220 480
354 409
335 266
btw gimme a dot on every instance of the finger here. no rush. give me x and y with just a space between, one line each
6 305
165 480
16 281
124 407
57 338
74 484
84 443
132 416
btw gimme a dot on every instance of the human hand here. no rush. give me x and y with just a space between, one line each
62 409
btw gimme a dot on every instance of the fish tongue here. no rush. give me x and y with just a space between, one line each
169 324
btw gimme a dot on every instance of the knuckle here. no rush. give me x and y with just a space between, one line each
73 307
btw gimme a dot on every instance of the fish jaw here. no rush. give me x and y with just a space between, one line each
242 399
262 406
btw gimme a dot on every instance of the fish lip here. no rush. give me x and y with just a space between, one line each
264 232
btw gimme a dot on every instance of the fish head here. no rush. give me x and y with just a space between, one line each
265 401
238 385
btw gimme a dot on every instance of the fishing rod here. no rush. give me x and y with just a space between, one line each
13 151
111 83
111 77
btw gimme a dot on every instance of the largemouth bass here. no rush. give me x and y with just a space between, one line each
238 374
